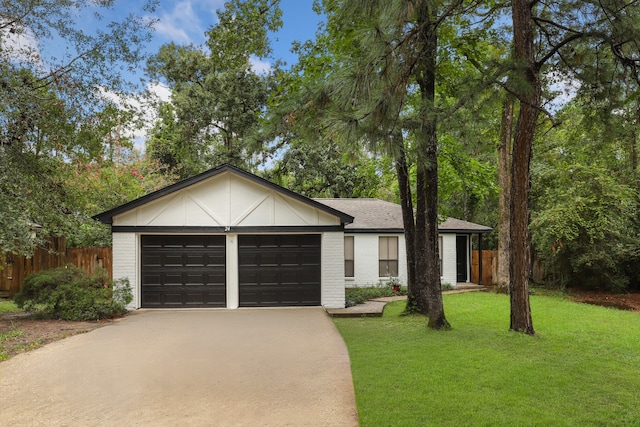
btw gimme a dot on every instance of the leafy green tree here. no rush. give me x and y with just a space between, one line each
53 105
583 203
167 145
378 90
550 38
217 96
95 187
318 170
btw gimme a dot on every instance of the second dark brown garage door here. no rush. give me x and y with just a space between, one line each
281 270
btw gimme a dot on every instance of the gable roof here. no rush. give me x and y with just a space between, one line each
107 217
375 215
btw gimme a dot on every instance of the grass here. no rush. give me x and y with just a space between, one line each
7 306
582 368
12 333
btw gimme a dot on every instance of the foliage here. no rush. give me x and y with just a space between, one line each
100 186
68 293
315 170
584 205
355 296
446 286
582 368
582 227
57 89
217 97
7 306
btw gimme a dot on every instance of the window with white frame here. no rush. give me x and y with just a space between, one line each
388 256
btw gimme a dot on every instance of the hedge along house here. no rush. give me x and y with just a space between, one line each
227 238
375 247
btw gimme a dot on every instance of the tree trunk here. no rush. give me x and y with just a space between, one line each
437 318
420 303
529 100
504 182
635 142
404 185
427 259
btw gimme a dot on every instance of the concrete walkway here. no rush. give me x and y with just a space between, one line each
247 367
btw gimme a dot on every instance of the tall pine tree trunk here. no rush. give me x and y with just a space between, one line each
529 101
420 302
427 260
504 182
404 185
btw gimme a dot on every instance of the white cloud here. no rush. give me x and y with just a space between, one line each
188 20
21 45
258 66
161 91
177 24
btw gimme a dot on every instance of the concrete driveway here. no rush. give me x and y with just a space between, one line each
247 367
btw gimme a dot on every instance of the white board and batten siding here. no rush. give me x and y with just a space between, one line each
230 202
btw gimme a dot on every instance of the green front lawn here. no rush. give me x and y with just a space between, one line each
582 368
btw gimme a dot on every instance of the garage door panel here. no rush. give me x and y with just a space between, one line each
181 271
279 270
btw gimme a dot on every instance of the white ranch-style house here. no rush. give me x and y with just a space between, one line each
227 238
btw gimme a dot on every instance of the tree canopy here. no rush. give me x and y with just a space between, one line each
448 107
57 83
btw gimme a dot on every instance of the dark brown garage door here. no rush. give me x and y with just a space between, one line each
279 270
183 271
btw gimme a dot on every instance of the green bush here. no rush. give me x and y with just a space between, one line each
355 296
68 293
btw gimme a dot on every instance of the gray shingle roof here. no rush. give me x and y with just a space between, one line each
368 214
378 215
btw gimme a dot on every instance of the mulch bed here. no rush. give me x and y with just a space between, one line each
627 301
26 333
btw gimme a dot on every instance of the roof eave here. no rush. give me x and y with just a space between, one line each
464 231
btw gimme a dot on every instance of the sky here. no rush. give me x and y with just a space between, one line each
186 21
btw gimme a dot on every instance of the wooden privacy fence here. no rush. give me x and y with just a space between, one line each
14 268
489 267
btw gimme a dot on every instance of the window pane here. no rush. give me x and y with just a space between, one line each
348 248
382 269
392 269
393 248
383 248
348 268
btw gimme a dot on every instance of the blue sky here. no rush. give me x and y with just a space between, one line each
185 21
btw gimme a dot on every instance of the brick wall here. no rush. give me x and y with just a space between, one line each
333 270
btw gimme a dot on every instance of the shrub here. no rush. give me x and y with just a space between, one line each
446 286
355 296
68 293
